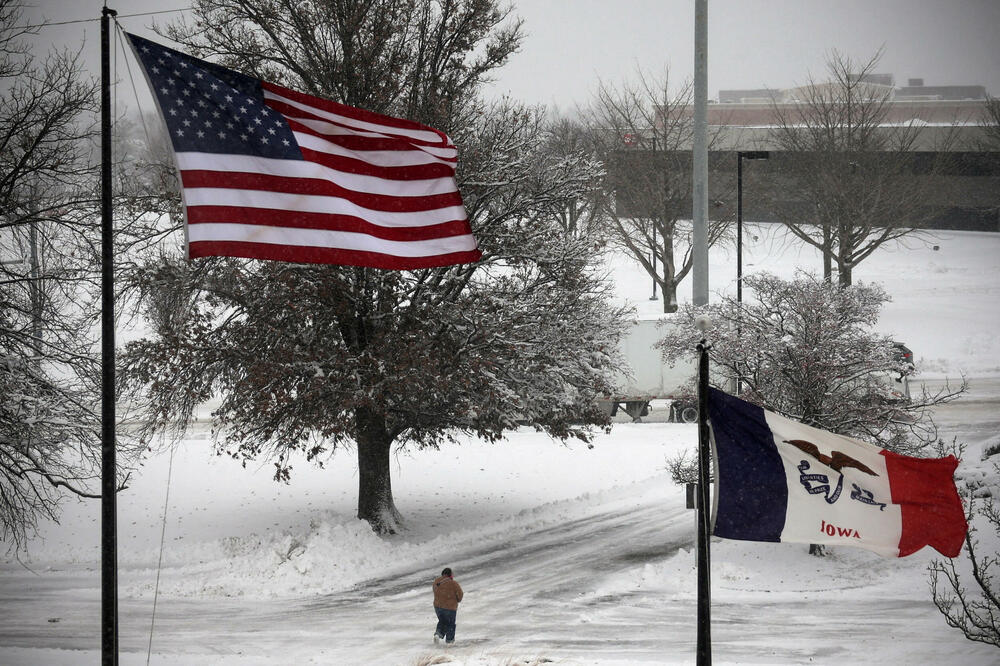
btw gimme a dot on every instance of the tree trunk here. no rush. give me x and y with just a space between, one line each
375 502
844 276
669 284
669 289
827 252
844 251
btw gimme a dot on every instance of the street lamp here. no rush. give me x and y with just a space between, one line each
740 156
653 247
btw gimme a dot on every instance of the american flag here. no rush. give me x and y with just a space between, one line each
271 173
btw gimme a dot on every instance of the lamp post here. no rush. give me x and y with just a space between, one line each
654 248
740 156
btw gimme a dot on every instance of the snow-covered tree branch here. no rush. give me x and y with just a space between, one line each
806 349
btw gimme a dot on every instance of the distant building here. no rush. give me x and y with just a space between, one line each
758 96
966 193
916 90
913 91
945 105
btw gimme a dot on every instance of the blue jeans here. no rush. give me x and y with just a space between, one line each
446 623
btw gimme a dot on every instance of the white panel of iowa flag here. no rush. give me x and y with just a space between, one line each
271 173
779 480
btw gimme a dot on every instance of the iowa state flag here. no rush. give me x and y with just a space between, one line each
272 173
779 480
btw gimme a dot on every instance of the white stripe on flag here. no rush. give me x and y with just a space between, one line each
311 203
447 155
420 135
305 169
386 158
346 240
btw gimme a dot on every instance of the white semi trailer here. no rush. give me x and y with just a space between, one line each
648 377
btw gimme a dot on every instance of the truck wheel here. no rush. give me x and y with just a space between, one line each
689 415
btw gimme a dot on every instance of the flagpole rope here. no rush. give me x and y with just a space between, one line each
159 562
114 97
120 32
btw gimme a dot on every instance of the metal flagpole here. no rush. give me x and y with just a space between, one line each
109 512
704 655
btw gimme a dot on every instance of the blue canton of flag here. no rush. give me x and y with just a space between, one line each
211 109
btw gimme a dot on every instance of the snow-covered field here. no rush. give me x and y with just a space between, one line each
567 553
945 302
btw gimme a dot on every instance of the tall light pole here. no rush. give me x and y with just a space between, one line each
699 149
740 156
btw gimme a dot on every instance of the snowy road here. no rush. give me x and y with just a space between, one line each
541 576
572 593
973 417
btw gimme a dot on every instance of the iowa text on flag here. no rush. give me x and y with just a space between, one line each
270 173
780 480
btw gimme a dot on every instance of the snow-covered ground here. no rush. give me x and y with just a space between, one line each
567 553
944 288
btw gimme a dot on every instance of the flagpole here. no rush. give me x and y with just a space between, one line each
109 510
704 655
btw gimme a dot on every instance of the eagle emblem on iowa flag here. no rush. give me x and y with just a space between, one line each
836 460
816 484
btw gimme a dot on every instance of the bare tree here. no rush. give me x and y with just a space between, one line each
308 358
49 282
966 590
568 142
991 124
643 132
854 167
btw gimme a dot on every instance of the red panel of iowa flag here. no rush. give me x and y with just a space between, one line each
271 173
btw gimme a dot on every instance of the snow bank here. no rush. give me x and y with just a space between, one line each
235 532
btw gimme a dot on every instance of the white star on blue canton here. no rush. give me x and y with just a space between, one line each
224 95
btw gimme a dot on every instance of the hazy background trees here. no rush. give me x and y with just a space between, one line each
991 124
49 281
643 132
569 139
854 167
306 358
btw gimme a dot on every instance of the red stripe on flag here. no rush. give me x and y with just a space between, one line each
931 510
350 111
314 186
319 255
360 167
271 217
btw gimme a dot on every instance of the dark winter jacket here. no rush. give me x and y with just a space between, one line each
447 593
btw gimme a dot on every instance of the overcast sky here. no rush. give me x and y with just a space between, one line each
571 44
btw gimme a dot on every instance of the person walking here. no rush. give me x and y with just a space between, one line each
447 595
